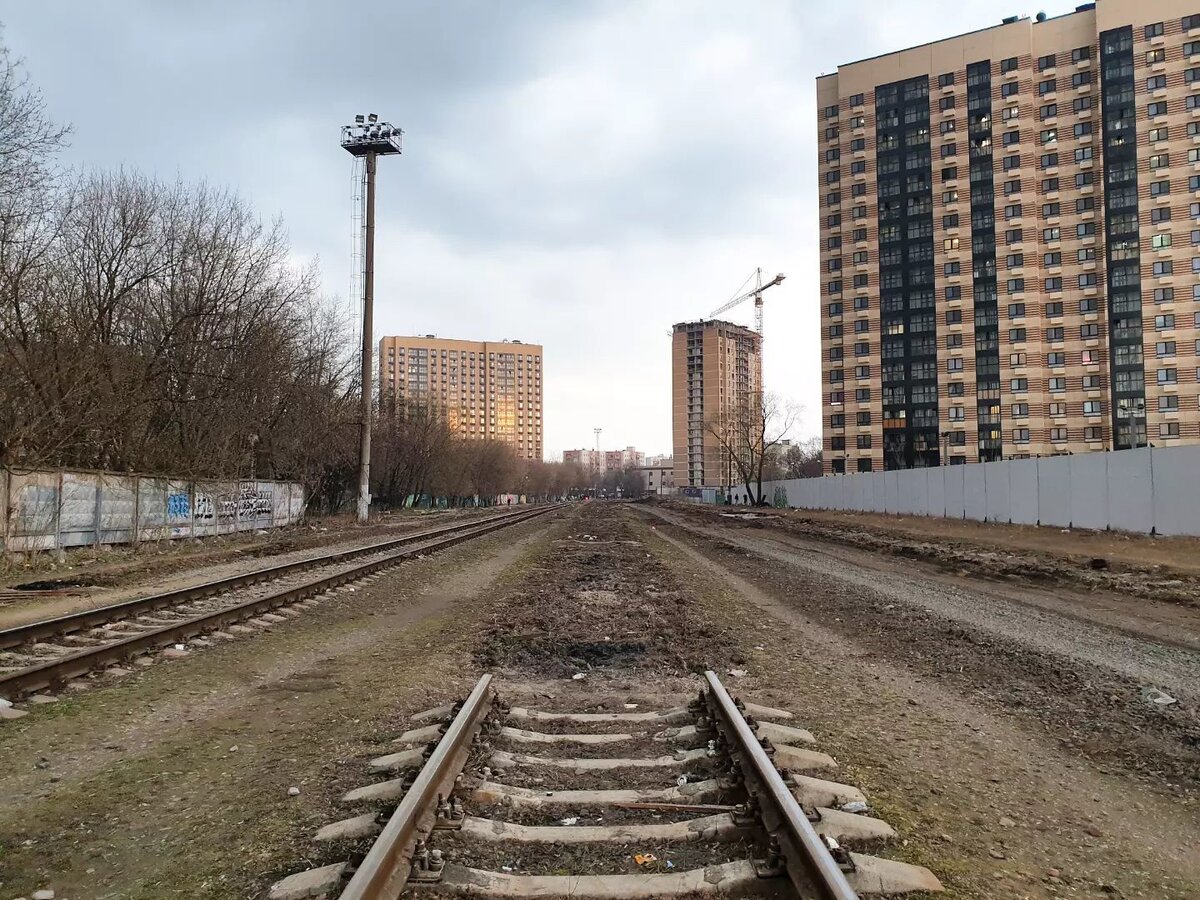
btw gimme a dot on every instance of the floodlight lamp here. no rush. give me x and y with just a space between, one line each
358 120
372 118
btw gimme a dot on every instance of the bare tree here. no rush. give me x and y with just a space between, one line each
748 434
803 459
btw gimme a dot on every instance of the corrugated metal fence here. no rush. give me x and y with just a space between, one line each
1150 490
52 509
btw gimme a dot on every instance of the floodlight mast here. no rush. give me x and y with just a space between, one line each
369 139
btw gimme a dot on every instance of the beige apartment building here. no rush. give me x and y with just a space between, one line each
487 390
1010 241
716 379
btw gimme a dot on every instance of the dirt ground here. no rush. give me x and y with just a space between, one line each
1008 743
1138 565
89 578
173 781
1003 737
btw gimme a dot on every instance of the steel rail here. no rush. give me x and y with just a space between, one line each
90 618
385 870
32 678
810 865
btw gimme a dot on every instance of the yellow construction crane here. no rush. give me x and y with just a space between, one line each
756 292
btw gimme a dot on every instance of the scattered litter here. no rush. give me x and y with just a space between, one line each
180 647
351 589
5 704
759 647
631 706
1157 697
854 806
579 676
293 792
644 859
681 780
506 868
669 864
736 673
569 820
233 749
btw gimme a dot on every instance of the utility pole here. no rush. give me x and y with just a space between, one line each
596 458
370 139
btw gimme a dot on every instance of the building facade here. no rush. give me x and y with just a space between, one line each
657 479
1010 241
487 390
716 380
605 460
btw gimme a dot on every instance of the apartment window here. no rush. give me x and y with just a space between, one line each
1055 333
1047 86
1058 434
1054 309
861 303
1089 331
954 389
1013 186
950 220
1082 129
946 79
955 364
856 100
1191 48
1008 65
1164 295
1168 403
831 112
1160 161
1013 162
1057 385
1016 310
1057 358
950 244
1153 31
1053 284
954 292
1155 55
1013 236
1160 214
1080 104
1016 285
950 196
948 150
1160 241
1012 211
1168 429
1049 209
947 127
1020 410
1014 260
1020 435
1019 385
1048 160
1163 267
1016 359
1048 135
862 326
1190 22
858 122
1079 79
1052 234
1158 108
1079 54
1156 83
949 173
1091 382
1085 254
1083 154
1168 376
1164 322
1191 76
945 103
862 395
1087 280
1049 111
1164 349
1085 229
1010 89
862 371
951 268
1016 335
954 340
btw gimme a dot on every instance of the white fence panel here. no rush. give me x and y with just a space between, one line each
79 502
1130 492
33 511
115 509
1176 482
996 488
974 493
1023 491
1091 488
935 483
1054 491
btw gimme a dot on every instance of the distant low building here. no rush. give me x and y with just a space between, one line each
658 479
605 460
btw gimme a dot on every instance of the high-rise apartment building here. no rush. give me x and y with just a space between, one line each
716 380
1010 241
487 390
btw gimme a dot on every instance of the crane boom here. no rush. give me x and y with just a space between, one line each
756 293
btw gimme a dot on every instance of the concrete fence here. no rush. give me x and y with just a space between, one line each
1150 490
53 509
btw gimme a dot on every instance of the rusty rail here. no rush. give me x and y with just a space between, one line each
385 870
90 618
32 678
810 865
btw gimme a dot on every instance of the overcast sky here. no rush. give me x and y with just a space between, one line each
576 174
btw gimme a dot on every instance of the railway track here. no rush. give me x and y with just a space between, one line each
712 797
49 653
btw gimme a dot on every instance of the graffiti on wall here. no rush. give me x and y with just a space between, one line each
179 507
249 503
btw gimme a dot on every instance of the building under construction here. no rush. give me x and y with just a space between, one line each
716 381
